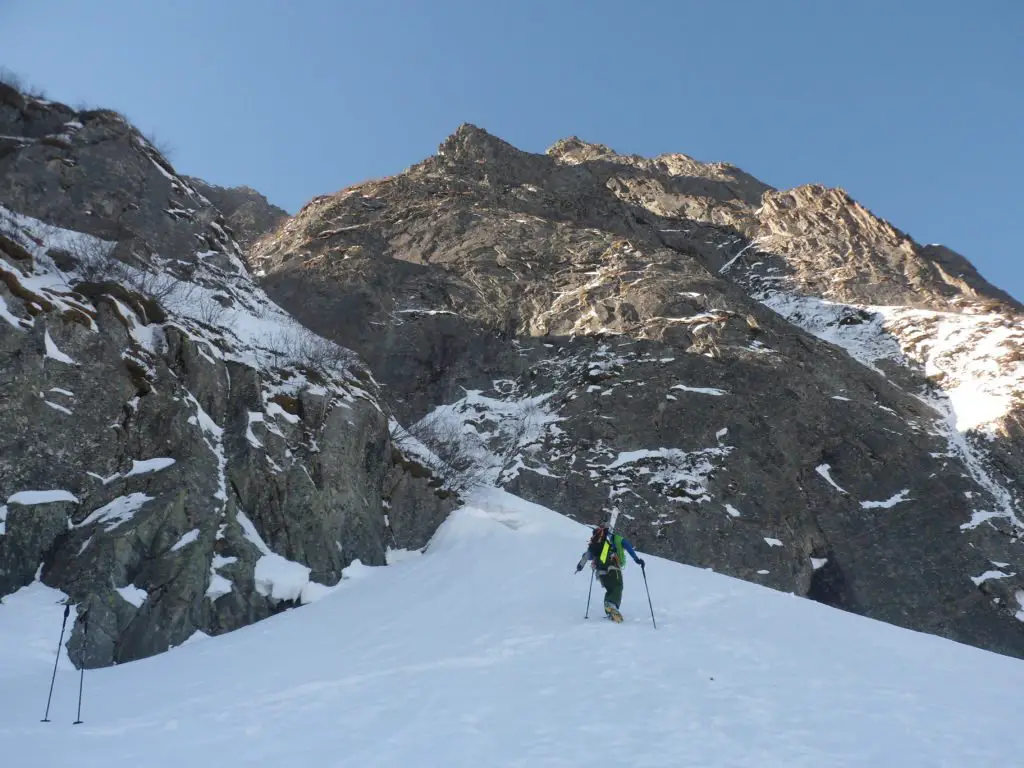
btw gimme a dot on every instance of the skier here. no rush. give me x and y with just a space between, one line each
606 553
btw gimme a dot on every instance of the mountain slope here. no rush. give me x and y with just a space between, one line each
177 453
673 327
477 653
659 342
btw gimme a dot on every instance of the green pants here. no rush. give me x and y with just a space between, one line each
612 583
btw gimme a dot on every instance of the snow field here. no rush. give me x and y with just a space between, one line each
476 653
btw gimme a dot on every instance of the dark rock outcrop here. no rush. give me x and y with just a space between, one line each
249 214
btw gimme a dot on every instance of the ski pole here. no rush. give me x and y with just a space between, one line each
643 570
81 679
587 614
63 626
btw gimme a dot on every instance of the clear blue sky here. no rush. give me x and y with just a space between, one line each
916 107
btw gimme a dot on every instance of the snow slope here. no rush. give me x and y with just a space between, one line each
974 362
975 358
476 653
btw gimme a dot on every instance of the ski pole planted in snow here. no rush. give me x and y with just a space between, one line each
643 570
81 679
63 626
587 614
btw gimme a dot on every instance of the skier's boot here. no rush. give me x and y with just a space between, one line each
611 612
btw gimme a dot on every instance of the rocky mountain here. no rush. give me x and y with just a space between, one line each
248 213
177 454
774 384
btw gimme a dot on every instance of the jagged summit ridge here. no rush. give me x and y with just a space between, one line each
575 150
830 245
816 238
472 142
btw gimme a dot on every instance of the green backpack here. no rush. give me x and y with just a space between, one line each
614 540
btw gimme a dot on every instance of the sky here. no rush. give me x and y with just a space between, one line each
915 108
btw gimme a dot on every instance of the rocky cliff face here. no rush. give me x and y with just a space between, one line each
248 213
177 454
776 385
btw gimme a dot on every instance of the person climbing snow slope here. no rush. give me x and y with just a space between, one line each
606 553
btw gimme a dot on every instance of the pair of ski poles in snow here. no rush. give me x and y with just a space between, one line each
643 570
81 680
